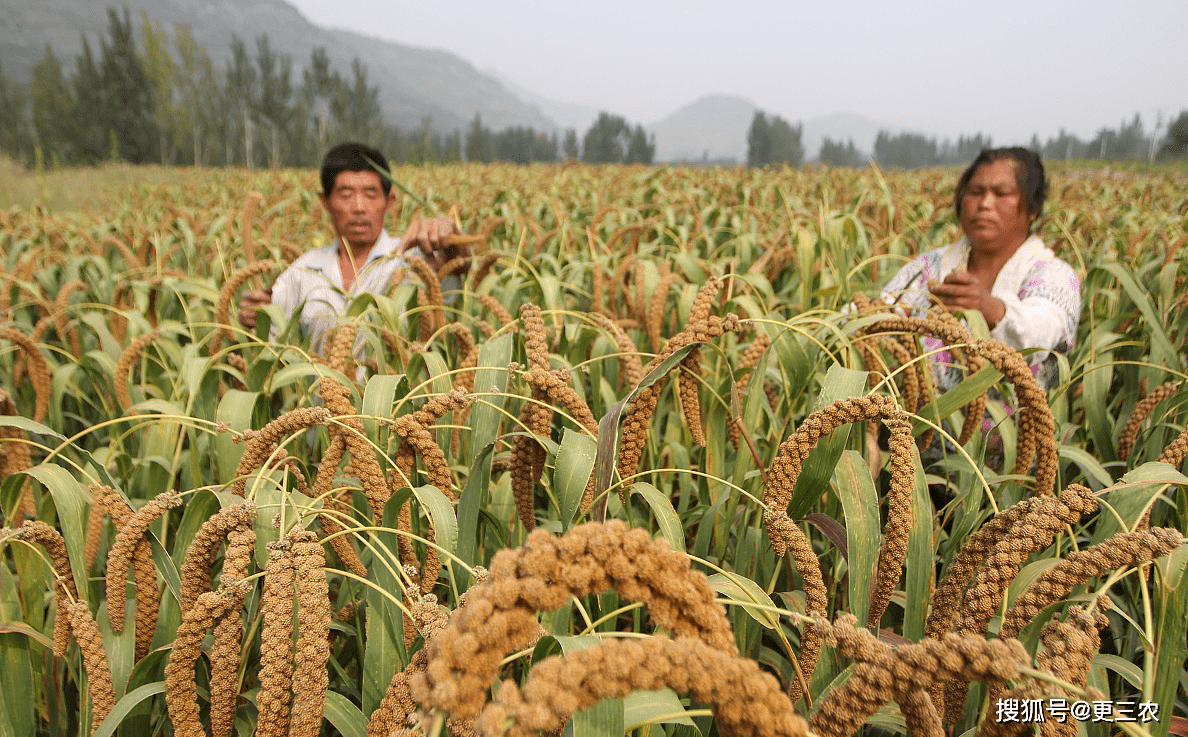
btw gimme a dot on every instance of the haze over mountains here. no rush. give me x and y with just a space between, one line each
414 83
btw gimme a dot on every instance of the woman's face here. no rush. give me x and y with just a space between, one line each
994 211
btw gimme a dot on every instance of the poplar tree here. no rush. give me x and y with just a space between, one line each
162 74
53 110
14 134
128 98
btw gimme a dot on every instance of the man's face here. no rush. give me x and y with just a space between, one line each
357 206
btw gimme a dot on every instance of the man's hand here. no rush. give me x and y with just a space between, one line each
250 303
432 237
962 291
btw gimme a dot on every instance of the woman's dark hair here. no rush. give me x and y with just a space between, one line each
1029 174
354 157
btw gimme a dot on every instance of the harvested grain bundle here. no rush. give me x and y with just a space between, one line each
90 644
38 369
227 295
1121 550
1140 412
905 675
181 694
119 557
499 617
65 591
702 327
786 468
15 456
744 699
260 444
1032 532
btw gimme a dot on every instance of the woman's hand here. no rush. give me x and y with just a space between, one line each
250 303
962 291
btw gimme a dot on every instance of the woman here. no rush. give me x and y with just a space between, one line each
1029 297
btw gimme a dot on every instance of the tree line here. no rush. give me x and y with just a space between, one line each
140 98
772 140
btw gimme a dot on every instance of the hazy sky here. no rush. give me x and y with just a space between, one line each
1009 68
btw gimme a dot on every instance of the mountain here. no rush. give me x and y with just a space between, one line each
564 114
713 128
413 82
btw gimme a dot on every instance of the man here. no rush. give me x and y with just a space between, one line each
362 257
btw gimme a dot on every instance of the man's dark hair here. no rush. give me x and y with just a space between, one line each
354 157
1029 174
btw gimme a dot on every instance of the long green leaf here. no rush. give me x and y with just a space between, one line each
70 501
1170 610
653 707
441 513
604 719
666 517
840 383
860 504
1162 351
16 705
345 717
125 705
1132 494
484 417
571 472
239 410
749 595
921 563
385 652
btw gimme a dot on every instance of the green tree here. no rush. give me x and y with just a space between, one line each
276 104
318 87
544 147
162 73
1175 145
640 149
423 149
773 142
53 109
1064 146
966 149
569 146
91 132
128 96
905 150
241 91
356 107
759 141
478 141
14 129
836 153
605 142
198 120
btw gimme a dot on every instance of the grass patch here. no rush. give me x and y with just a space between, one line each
89 189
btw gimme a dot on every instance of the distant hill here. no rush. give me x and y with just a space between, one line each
413 82
713 128
564 114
